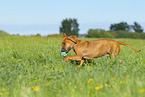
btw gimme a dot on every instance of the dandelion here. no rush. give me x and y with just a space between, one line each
109 85
1 93
45 66
142 91
7 93
12 58
36 88
101 86
97 87
90 80
113 86
113 78
127 75
4 89
121 82
48 83
59 90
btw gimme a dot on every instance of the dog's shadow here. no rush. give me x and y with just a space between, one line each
86 62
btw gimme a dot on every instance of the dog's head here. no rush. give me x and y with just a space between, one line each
68 43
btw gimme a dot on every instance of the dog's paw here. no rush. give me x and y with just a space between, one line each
78 66
65 59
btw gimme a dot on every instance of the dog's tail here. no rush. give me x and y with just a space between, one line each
122 43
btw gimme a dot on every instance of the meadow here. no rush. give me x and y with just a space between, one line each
33 67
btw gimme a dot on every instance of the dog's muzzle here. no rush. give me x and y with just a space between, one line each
63 50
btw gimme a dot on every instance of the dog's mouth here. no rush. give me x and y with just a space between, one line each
68 50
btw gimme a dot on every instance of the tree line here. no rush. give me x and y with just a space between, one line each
117 30
123 26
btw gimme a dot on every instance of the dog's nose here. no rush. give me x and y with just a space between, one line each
62 50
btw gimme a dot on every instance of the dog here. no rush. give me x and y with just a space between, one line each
90 49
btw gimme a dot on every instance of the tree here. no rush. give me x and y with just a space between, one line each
137 28
38 35
120 26
70 27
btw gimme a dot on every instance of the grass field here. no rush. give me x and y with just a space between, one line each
33 67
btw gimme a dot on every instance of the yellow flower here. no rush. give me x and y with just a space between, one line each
7 93
142 91
4 89
44 65
12 58
113 78
1 93
127 75
36 88
59 91
101 86
48 83
121 82
90 80
113 86
109 85
97 87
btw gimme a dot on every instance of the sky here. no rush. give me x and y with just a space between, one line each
29 17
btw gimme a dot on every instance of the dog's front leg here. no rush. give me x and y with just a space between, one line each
76 57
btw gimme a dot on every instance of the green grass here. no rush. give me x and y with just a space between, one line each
27 62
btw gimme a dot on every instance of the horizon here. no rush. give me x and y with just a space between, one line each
48 29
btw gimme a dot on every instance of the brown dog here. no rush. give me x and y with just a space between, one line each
89 50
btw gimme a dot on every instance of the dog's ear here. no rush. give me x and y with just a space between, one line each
64 35
73 38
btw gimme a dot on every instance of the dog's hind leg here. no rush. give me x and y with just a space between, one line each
115 51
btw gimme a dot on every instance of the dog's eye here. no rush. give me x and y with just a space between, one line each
63 43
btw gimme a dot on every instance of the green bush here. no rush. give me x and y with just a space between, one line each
142 35
120 34
99 33
125 34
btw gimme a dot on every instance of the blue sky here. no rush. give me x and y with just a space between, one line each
44 16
